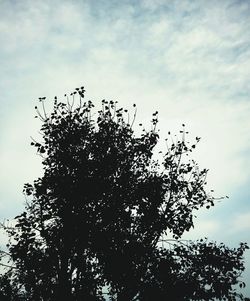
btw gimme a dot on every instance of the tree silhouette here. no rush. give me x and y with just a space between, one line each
106 218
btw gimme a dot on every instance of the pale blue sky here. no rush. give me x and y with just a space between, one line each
190 60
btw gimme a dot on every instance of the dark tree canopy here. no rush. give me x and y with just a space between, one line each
106 218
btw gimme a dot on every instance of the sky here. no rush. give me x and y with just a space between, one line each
189 60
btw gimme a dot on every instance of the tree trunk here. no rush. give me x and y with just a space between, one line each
64 291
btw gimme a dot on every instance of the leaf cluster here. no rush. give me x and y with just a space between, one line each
95 218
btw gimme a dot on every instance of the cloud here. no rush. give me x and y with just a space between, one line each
203 228
241 222
180 60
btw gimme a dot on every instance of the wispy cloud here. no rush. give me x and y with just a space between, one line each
241 222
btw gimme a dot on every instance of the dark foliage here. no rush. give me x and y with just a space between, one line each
98 221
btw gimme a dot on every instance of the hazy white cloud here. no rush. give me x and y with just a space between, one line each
203 228
180 60
241 222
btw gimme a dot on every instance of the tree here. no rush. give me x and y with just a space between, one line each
99 219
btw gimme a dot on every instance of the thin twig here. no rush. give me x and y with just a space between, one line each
8 266
134 117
